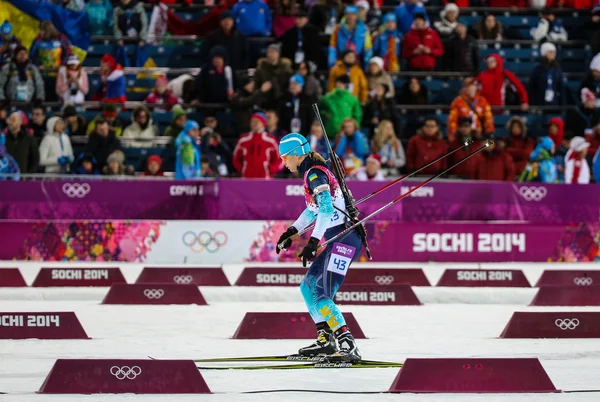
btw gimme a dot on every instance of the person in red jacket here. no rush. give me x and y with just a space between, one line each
556 131
256 154
517 144
464 133
496 81
427 145
422 45
493 163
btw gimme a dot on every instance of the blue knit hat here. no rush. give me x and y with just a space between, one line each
298 79
351 9
6 28
190 125
294 144
389 17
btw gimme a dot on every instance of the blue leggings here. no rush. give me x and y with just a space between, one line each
320 285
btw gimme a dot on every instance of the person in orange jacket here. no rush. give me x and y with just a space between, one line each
470 104
348 65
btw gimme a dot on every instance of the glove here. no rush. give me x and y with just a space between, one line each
69 159
284 240
310 251
62 160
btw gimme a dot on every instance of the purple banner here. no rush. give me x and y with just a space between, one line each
234 199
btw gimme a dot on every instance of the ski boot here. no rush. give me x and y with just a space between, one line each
324 345
348 351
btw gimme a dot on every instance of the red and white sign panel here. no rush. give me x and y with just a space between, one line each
379 295
51 277
567 296
563 324
153 293
484 278
387 276
43 325
569 278
11 277
213 276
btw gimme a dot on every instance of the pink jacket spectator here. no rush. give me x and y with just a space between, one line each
161 95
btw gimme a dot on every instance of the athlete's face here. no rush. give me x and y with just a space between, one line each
291 162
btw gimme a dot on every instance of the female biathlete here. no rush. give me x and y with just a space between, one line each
325 203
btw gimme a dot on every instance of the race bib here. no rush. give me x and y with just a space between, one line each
299 57
341 257
22 92
549 95
132 32
295 125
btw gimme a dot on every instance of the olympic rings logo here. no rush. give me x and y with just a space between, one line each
533 193
585 281
76 190
183 279
567 324
153 294
204 241
126 372
384 280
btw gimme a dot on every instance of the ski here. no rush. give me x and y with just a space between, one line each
282 358
313 365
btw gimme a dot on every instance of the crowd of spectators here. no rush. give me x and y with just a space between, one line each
274 96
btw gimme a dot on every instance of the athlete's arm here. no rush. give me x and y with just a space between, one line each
319 184
306 218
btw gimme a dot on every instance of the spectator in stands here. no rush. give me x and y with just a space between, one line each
36 126
56 153
295 108
593 30
102 142
541 166
74 123
577 170
50 49
112 87
187 164
547 83
217 153
275 69
406 12
8 43
549 29
72 81
141 128
556 131
325 14
256 154
350 35
3 117
85 164
388 147
348 66
422 46
317 139
284 17
371 171
8 164
301 43
376 75
380 107
426 146
464 133
211 121
253 17
501 87
231 39
586 116
312 86
272 127
518 145
489 28
446 26
111 115
215 83
179 119
100 17
21 146
559 157
591 81
130 21
183 86
153 167
413 93
351 146
339 105
247 100
470 104
387 44
494 164
162 95
593 137
461 53
115 165
206 172
21 81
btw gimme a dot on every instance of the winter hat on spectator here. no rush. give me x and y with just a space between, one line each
378 61
547 47
73 60
155 158
587 95
24 118
374 158
110 110
275 46
351 9
294 144
178 111
162 80
190 125
578 144
363 4
51 123
110 60
69 111
419 16
594 65
6 28
389 17
116 156
226 14
298 79
260 116
449 7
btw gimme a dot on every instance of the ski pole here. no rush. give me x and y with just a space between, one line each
390 184
395 200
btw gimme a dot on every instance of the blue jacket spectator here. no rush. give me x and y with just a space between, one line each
8 165
351 146
389 52
405 13
253 17
188 152
542 167
546 84
8 42
100 16
85 164
352 35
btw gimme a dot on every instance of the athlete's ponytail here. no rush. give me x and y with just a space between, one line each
315 156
